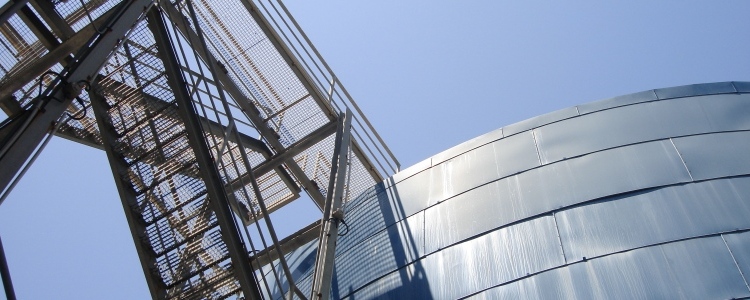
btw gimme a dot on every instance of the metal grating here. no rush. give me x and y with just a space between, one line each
180 229
258 68
261 111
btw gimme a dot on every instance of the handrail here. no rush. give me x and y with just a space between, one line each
321 72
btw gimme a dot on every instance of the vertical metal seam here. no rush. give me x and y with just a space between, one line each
536 146
559 239
735 262
681 159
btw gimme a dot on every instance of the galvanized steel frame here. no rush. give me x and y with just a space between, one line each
47 111
207 167
56 34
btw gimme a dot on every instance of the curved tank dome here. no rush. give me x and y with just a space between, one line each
640 196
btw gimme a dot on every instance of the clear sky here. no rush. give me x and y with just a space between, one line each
429 75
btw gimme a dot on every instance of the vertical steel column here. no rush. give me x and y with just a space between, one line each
217 196
10 294
332 213
86 68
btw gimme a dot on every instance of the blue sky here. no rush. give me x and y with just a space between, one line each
429 75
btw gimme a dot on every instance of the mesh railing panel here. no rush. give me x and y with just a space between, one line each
180 228
260 71
77 15
150 138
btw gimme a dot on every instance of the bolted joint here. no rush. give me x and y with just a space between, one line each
73 90
338 215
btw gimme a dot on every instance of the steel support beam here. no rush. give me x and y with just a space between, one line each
54 56
217 129
275 161
49 110
10 293
218 199
287 245
250 110
296 65
47 11
332 213
10 9
37 27
156 285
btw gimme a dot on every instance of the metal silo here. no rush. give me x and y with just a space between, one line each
638 196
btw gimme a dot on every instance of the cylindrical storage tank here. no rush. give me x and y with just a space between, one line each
640 196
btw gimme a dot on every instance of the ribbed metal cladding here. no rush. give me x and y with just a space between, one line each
639 196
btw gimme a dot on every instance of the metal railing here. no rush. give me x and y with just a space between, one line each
326 82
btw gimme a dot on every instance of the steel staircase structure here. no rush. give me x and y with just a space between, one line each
213 114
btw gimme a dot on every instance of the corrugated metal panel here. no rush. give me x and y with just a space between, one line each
540 120
380 254
715 155
409 282
502 255
365 220
603 174
301 263
642 122
366 196
692 269
696 90
639 97
655 216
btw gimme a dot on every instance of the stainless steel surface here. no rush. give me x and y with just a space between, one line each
378 255
739 247
696 90
693 269
642 122
540 120
634 98
664 214
635 198
715 155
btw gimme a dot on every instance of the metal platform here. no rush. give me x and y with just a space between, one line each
213 114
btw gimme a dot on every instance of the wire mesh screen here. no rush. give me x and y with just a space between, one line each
78 13
284 101
262 74
276 109
181 230
20 49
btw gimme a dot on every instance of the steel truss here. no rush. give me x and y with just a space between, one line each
213 114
